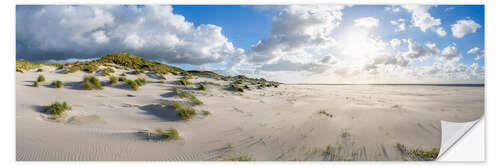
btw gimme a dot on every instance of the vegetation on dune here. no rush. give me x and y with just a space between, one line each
133 84
418 153
36 84
184 112
137 63
184 82
241 158
236 87
323 112
57 84
170 134
107 71
19 70
40 78
72 70
57 108
207 74
205 112
122 79
39 70
25 65
202 87
91 83
140 81
113 79
186 94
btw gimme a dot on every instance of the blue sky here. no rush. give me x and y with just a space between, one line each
293 44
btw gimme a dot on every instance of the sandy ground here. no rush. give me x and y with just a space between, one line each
266 124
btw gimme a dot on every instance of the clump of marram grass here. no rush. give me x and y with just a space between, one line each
113 79
57 84
107 71
170 134
184 112
133 85
57 109
122 79
418 153
323 112
36 84
241 158
137 72
184 82
202 87
40 78
205 112
39 70
236 87
19 70
140 81
91 82
186 94
72 69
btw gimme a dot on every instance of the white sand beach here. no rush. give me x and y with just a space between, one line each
279 124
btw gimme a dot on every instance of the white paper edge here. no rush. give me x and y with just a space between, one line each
451 132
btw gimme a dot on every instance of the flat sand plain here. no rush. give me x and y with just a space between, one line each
364 122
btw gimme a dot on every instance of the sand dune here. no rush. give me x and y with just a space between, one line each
266 124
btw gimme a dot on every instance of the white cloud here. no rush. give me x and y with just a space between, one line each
416 51
464 27
295 29
422 19
392 9
400 24
286 65
450 54
395 42
476 51
366 22
153 32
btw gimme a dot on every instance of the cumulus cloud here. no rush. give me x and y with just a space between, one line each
400 24
154 32
421 18
450 54
476 51
395 42
394 9
366 22
296 28
416 51
464 27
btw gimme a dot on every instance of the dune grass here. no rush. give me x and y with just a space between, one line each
73 69
91 83
39 70
19 70
236 87
133 84
202 87
40 78
57 84
186 94
184 112
25 65
113 79
58 108
36 84
418 153
122 79
170 134
323 112
240 158
140 81
184 82
205 113
108 71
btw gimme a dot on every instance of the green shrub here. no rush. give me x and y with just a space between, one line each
39 70
133 85
236 87
107 71
36 84
202 87
41 78
90 68
113 79
19 70
171 134
122 79
57 108
57 84
73 69
184 82
91 82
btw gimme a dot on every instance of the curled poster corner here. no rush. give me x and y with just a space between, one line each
451 132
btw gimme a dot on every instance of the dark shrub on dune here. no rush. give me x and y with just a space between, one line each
40 78
113 79
184 82
133 85
202 87
91 82
236 87
39 70
57 108
36 84
122 79
57 84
